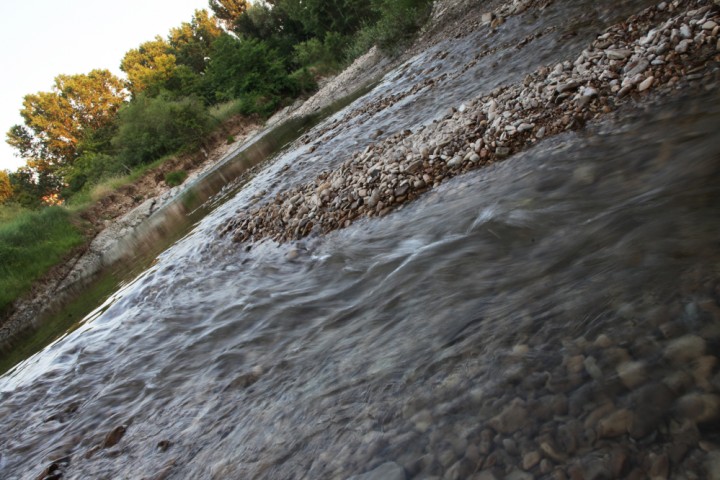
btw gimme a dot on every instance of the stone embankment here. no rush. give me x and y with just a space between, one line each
673 46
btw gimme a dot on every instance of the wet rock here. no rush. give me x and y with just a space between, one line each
502 152
659 466
511 419
164 445
703 371
699 407
530 459
615 424
114 437
651 404
685 349
619 462
517 474
552 452
487 474
592 368
631 374
460 470
567 87
683 46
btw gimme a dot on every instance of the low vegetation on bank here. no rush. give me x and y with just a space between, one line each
95 132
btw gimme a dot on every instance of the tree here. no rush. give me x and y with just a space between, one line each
243 68
150 127
6 190
31 183
228 11
191 43
149 65
57 121
319 17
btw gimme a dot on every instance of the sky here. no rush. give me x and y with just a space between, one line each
40 39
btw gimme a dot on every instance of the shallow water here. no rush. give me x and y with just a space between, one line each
401 338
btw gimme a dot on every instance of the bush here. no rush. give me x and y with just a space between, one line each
247 69
399 21
323 57
303 81
173 179
90 169
30 243
150 128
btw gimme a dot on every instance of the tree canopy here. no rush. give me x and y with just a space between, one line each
56 121
228 11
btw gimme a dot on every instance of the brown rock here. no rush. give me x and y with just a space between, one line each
615 424
530 459
685 349
699 407
631 374
112 438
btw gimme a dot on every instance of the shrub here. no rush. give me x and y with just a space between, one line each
150 128
173 179
247 69
399 21
90 169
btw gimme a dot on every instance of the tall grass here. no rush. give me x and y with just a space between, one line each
30 243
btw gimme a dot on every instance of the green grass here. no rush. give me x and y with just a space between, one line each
223 111
30 243
173 179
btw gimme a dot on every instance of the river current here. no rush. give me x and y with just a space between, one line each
398 339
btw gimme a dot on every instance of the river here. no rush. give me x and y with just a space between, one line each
468 330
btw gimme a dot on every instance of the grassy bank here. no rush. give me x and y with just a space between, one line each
30 243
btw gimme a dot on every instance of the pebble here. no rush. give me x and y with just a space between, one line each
511 419
645 84
618 54
615 424
685 349
530 459
502 152
699 407
631 374
683 46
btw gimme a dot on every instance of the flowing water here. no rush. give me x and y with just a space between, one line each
401 338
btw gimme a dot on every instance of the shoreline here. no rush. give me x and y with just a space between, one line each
655 53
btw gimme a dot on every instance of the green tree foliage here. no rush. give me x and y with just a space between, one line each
57 121
247 69
148 66
151 127
319 17
397 22
192 41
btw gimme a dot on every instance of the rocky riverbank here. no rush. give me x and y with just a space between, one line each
666 49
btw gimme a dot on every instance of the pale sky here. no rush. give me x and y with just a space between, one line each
40 39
